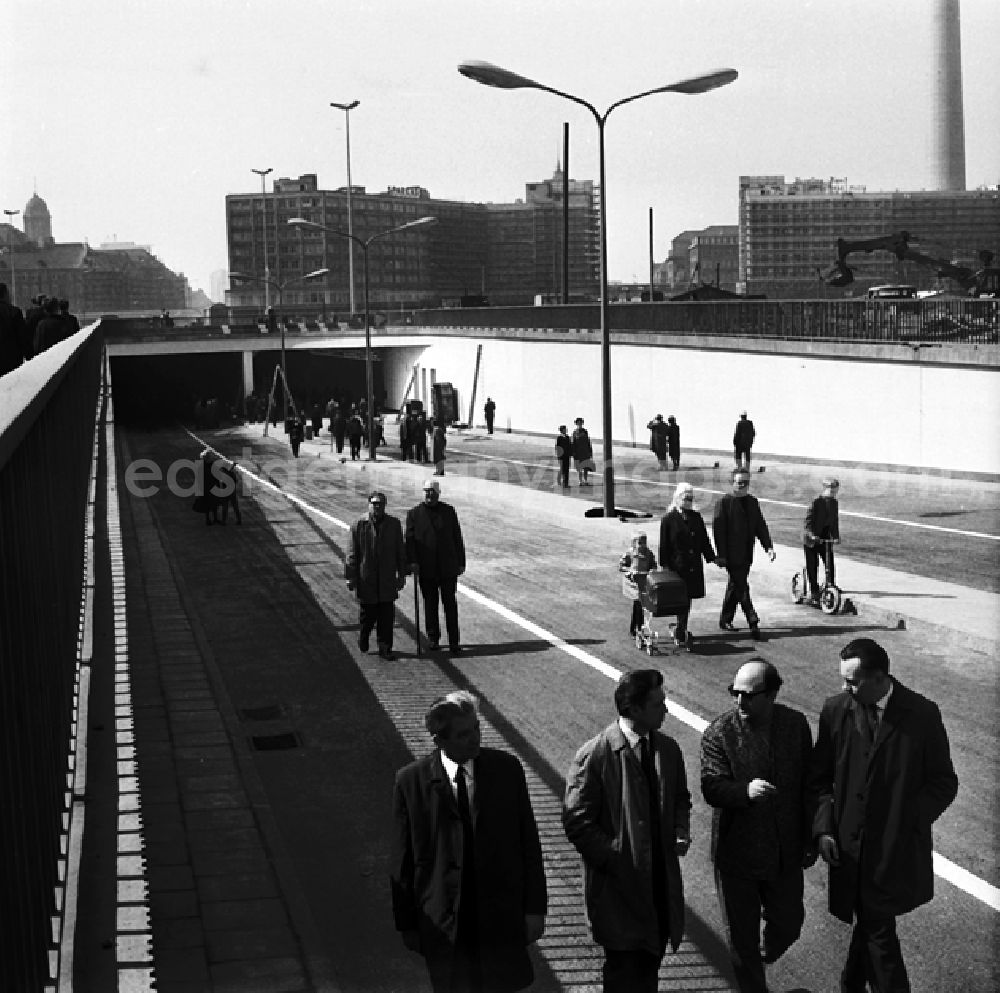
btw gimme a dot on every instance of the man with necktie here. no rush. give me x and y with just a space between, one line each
466 873
627 811
882 770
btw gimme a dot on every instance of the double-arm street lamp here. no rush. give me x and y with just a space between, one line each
421 222
279 287
263 209
347 108
504 79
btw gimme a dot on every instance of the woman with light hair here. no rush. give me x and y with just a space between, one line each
684 542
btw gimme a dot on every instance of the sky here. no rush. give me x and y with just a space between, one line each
133 119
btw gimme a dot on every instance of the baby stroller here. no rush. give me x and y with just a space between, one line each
662 596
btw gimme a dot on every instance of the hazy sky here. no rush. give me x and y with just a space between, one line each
135 118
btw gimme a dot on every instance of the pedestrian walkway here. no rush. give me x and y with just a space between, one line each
227 910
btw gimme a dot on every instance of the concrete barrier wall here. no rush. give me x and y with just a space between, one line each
840 409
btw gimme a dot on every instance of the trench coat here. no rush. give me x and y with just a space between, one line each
434 541
428 851
376 562
606 817
910 782
684 542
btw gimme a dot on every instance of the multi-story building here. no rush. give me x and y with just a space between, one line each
788 233
116 278
505 252
713 256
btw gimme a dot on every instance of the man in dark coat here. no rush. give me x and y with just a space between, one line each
821 531
883 775
658 440
376 570
743 438
736 525
436 553
754 773
50 329
489 411
13 334
466 871
564 452
627 811
674 441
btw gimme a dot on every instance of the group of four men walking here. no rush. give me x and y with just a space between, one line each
466 865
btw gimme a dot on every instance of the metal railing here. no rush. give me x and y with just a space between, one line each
47 423
959 320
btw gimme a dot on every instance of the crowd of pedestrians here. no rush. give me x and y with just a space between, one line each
23 336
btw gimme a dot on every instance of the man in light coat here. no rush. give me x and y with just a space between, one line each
882 771
376 569
627 811
466 871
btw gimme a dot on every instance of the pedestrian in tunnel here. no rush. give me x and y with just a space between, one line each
627 812
564 452
376 570
658 440
316 415
821 532
355 432
338 425
737 525
882 772
436 553
754 774
684 543
466 872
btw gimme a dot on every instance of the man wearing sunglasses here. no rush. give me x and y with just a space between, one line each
754 774
736 525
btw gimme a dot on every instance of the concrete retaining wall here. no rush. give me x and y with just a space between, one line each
849 409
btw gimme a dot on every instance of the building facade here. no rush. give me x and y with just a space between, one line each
788 234
115 279
507 253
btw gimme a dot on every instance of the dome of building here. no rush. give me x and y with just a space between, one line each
36 207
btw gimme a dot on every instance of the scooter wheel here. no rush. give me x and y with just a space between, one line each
798 587
829 600
638 640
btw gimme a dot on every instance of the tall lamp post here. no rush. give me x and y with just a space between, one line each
347 108
504 79
250 278
263 206
365 243
10 251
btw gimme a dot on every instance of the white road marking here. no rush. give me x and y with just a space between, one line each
945 868
778 503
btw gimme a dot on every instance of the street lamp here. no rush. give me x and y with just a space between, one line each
248 277
347 108
504 79
421 222
263 206
10 251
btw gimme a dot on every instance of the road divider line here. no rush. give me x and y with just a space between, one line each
945 868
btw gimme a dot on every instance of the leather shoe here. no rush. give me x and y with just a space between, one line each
434 645
727 626
387 653
455 649
756 634
363 642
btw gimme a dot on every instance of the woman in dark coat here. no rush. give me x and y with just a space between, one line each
684 542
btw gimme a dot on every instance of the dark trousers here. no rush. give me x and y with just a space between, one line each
637 618
743 903
564 473
339 440
742 457
738 594
380 617
874 957
633 971
680 631
355 447
489 424
814 556
431 590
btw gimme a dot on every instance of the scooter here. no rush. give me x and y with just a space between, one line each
830 595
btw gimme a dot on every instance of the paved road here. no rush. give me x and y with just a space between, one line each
545 624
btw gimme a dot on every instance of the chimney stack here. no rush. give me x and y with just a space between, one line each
947 117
